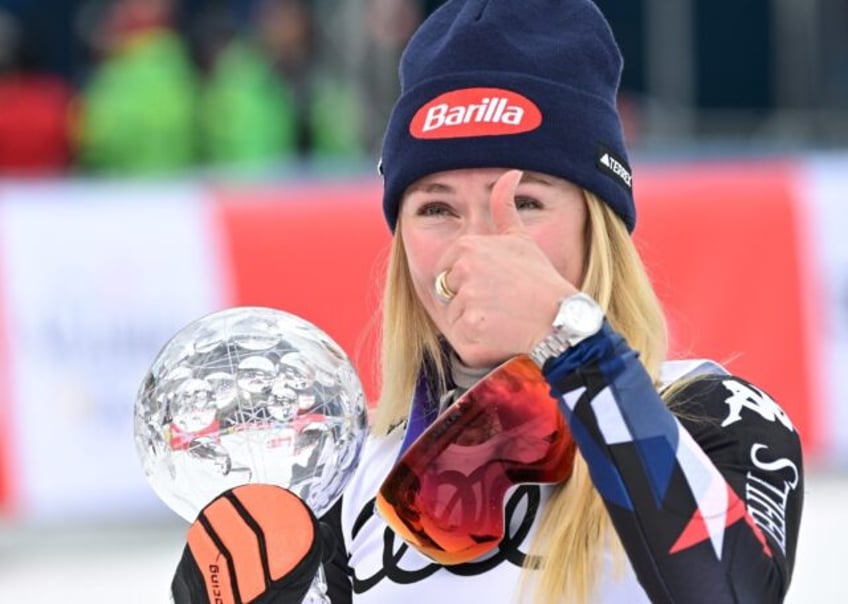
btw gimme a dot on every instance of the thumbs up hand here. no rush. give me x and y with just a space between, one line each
502 206
508 278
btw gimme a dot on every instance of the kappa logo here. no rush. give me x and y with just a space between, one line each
475 112
753 399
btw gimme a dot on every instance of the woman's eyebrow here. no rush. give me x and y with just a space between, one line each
430 187
439 187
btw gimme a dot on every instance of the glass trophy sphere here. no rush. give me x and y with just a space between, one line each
245 395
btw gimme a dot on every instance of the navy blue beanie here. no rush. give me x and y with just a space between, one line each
527 84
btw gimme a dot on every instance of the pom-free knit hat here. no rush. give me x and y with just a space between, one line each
527 84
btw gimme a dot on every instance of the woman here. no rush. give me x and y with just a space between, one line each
699 501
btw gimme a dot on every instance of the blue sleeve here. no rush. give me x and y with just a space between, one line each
706 500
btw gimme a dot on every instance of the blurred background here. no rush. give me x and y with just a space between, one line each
161 159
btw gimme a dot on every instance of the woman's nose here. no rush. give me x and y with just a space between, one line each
480 223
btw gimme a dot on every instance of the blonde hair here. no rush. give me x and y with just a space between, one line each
574 526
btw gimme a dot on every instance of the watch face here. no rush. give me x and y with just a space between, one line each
580 315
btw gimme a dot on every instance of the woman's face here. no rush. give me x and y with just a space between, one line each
447 211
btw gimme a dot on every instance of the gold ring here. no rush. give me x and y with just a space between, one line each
443 292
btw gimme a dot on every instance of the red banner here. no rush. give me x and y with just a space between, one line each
721 243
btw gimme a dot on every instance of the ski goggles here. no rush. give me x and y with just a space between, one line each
445 496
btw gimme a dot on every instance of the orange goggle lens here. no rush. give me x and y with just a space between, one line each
445 496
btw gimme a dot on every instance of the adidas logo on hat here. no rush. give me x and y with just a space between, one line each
615 167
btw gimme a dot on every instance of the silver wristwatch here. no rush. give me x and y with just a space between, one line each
578 317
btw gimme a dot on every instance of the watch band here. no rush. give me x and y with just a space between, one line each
551 346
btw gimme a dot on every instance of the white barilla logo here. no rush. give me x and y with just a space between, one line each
475 112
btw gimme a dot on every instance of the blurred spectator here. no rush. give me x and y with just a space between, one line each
388 24
267 97
138 107
327 114
247 118
36 110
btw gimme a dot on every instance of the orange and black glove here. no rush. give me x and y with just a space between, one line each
254 544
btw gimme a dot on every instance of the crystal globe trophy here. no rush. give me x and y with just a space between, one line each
250 395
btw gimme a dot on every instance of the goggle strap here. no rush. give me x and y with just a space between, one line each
423 410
